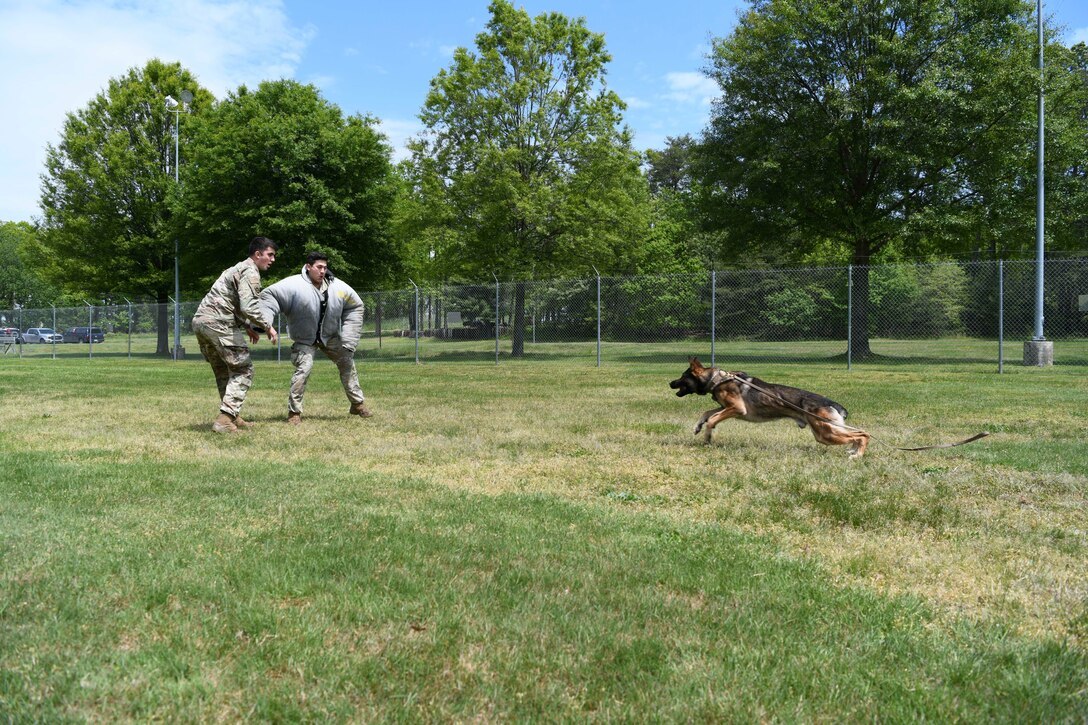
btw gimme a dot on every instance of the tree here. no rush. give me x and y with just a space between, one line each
999 217
676 242
858 125
523 157
669 170
20 282
283 162
1067 147
105 189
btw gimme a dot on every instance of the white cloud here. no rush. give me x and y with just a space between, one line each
67 51
399 132
322 82
634 102
691 88
700 52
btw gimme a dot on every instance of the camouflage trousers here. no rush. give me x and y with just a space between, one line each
224 347
303 357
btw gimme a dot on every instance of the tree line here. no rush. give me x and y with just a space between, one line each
844 132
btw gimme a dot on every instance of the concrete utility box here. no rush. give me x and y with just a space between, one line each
1039 353
1082 301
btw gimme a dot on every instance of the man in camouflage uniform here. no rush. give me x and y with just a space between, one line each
323 313
226 316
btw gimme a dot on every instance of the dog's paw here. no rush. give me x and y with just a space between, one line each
698 427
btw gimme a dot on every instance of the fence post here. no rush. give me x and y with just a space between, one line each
415 319
126 299
496 318
598 316
713 311
174 351
1000 316
849 316
90 327
54 332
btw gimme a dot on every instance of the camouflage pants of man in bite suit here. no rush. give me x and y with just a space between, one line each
303 358
225 348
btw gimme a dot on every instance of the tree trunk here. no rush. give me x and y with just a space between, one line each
378 319
859 318
162 346
517 324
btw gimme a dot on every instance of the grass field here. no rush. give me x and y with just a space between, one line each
944 351
538 542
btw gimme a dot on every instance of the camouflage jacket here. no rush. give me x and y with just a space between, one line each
233 298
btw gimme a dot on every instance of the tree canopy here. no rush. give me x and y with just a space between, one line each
856 126
20 282
524 158
105 189
282 162
106 184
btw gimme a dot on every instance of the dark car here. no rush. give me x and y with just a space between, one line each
85 334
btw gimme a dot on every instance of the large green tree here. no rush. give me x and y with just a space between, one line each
20 279
524 163
857 126
676 242
283 162
1067 148
105 189
998 218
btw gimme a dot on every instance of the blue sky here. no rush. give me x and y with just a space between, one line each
367 56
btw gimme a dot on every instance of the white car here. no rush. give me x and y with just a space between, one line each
41 334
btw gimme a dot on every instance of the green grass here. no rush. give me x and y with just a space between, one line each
538 542
962 351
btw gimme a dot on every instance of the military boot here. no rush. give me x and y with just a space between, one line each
294 418
242 423
360 410
224 423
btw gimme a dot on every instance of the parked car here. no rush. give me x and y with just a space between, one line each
12 332
84 334
42 334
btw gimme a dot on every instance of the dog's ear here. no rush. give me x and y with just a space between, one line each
694 362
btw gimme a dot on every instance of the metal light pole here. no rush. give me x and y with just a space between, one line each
173 105
1038 351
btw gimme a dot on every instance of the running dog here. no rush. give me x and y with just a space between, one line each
742 396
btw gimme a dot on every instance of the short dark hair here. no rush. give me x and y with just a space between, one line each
316 257
259 244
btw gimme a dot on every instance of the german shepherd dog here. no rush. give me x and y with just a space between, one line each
742 396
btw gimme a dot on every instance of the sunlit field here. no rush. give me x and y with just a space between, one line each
730 353
540 540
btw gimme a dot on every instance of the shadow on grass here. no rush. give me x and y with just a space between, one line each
729 356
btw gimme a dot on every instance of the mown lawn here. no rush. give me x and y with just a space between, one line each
538 542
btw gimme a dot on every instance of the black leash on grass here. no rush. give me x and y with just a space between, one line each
724 377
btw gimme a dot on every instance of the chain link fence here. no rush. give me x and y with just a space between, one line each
977 312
